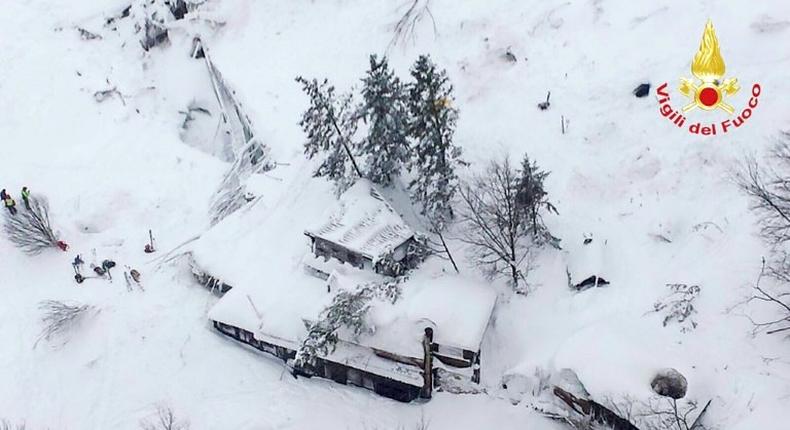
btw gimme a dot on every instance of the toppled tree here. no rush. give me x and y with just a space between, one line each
532 199
247 152
435 157
498 227
769 189
231 194
346 312
330 122
384 108
60 317
31 230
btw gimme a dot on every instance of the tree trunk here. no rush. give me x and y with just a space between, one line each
447 250
345 146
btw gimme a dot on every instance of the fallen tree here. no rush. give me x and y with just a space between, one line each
31 229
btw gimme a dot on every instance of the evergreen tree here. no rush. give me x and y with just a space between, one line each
531 198
329 123
432 127
386 146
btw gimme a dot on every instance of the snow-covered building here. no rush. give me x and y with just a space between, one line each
362 230
438 322
389 358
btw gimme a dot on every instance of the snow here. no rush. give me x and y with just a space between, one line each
457 310
112 171
364 222
585 260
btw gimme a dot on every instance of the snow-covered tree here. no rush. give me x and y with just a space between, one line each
346 312
532 198
386 147
30 229
330 122
434 156
432 126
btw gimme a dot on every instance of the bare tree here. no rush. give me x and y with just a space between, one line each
778 300
165 419
769 189
60 317
657 413
499 235
404 29
31 229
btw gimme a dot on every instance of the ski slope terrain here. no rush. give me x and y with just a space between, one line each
659 199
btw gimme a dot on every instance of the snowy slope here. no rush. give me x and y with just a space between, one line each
622 172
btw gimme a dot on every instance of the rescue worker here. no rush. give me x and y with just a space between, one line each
77 264
10 204
26 197
106 265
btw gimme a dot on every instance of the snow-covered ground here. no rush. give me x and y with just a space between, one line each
113 170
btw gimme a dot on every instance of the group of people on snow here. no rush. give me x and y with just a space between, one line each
100 271
10 203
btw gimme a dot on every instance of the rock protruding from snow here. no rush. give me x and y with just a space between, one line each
670 383
642 90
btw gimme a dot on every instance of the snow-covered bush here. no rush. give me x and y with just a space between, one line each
31 230
60 318
678 306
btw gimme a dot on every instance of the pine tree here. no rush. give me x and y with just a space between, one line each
386 146
329 123
531 198
432 126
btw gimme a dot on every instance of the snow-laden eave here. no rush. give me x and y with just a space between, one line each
372 258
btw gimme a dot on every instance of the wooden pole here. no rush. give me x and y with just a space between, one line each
427 370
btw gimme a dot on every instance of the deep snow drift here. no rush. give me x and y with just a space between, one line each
660 198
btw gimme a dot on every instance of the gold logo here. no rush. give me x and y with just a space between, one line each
708 91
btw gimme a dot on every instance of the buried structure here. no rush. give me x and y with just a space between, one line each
429 330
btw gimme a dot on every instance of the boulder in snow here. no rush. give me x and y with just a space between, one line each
670 383
642 90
